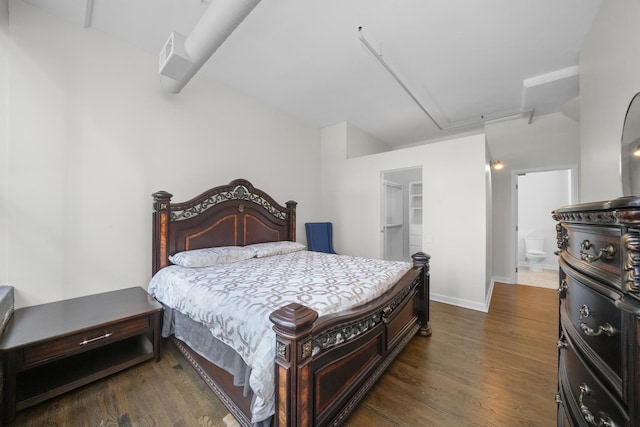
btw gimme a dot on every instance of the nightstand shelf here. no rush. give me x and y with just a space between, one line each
53 348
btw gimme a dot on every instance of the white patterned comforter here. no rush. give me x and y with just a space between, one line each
235 300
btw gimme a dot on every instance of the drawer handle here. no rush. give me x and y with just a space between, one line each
607 329
586 413
101 337
607 251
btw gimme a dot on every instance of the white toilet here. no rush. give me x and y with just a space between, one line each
534 253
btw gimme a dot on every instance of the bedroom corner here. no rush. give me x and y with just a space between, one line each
454 215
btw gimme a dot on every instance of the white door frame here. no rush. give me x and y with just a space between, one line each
514 207
384 177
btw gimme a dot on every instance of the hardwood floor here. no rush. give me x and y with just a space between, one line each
477 369
167 393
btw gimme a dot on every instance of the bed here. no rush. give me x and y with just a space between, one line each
322 362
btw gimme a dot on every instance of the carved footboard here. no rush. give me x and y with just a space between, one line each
324 366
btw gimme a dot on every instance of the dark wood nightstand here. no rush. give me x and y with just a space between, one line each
52 348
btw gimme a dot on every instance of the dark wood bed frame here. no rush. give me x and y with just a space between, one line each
324 365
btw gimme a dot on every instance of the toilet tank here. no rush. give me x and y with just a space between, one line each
534 243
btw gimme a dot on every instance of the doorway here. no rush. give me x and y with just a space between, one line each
537 194
401 218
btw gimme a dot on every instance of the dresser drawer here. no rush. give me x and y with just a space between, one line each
596 250
91 338
593 320
589 398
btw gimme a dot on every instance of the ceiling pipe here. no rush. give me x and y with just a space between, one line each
88 13
220 19
386 66
449 125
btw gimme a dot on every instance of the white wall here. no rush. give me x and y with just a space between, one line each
91 135
454 218
551 141
609 78
362 143
4 147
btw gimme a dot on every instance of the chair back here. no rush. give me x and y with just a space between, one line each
320 237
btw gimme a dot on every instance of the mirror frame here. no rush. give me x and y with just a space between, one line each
630 164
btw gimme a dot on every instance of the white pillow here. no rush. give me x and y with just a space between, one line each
261 250
211 256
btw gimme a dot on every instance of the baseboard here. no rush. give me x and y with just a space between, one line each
484 307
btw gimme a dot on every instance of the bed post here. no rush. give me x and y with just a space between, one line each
421 259
161 202
291 212
294 388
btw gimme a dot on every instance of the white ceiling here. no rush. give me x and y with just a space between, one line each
464 60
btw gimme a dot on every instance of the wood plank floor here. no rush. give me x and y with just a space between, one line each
477 369
167 393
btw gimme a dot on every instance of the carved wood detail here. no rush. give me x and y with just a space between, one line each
238 190
631 242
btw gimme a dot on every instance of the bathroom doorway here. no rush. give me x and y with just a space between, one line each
538 193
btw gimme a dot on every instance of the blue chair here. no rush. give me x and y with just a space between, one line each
320 237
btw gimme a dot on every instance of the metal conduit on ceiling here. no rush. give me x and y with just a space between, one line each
182 57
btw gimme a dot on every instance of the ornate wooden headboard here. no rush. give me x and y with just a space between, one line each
236 214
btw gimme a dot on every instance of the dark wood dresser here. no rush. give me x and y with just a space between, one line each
599 336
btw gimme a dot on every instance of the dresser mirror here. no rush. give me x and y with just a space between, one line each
630 163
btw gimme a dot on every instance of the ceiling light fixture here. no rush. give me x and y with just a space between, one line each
636 152
498 165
